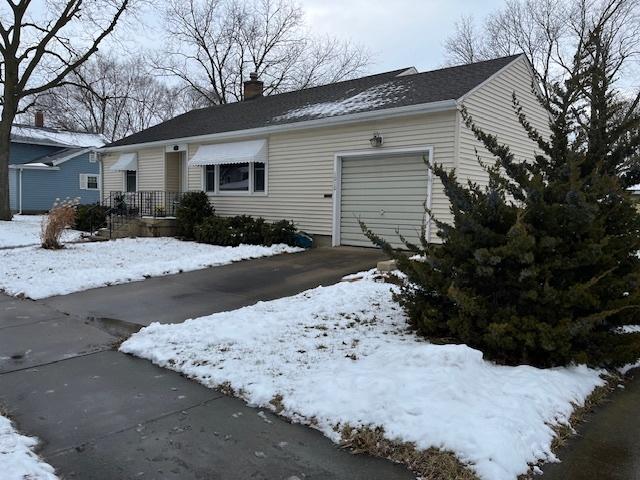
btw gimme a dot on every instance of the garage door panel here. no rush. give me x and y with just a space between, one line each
387 194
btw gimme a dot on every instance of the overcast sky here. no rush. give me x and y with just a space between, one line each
397 33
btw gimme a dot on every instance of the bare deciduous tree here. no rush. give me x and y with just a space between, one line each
40 45
112 97
547 31
214 45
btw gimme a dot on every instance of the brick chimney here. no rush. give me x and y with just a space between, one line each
253 87
39 118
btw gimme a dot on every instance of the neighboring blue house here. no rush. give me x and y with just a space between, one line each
46 164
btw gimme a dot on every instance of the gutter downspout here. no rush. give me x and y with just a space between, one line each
20 190
429 195
100 184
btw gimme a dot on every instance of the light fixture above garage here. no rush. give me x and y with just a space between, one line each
376 140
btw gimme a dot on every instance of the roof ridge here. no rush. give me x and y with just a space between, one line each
462 65
54 130
306 89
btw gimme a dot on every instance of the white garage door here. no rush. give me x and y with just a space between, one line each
387 194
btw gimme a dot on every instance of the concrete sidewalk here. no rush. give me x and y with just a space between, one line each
175 298
101 414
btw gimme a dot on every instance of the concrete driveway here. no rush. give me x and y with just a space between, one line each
175 298
101 414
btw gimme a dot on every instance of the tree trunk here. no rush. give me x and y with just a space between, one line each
8 115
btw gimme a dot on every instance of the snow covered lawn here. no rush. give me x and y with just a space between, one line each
341 355
17 460
24 230
36 273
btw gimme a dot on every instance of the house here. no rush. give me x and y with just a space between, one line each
46 164
327 156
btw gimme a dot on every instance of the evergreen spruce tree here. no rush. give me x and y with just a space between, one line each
541 266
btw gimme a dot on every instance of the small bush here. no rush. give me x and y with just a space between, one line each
244 229
61 216
282 231
194 207
91 216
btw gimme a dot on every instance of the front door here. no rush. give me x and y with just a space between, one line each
184 171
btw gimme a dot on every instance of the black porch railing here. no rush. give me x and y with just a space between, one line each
151 203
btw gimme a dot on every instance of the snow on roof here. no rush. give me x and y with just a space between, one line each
52 136
635 188
373 97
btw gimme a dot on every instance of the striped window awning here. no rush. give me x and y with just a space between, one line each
127 161
227 153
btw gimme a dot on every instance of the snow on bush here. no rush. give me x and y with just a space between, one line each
341 355
17 460
38 273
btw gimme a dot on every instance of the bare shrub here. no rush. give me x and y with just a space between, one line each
61 216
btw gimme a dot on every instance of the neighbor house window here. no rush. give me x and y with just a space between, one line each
234 178
88 181
92 182
258 177
131 180
210 178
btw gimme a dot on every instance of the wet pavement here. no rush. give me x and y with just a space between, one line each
100 414
607 444
175 298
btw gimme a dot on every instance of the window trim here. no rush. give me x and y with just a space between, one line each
84 181
238 193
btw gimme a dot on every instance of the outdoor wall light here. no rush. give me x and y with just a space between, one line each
376 140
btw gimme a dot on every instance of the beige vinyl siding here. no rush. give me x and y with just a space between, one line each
300 168
151 171
491 107
172 172
111 181
151 174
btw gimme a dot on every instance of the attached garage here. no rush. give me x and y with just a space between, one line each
388 193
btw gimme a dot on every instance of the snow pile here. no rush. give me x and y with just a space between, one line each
38 273
17 460
630 329
71 139
24 230
341 355
373 97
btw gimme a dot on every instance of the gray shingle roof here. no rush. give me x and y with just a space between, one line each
375 92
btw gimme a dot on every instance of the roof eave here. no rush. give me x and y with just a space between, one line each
72 156
431 107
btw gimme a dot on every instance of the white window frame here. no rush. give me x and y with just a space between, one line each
124 180
84 181
244 193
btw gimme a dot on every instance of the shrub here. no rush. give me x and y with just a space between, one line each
61 216
194 207
244 229
282 231
541 265
90 216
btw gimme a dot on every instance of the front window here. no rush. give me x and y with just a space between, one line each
210 178
131 180
234 178
258 177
